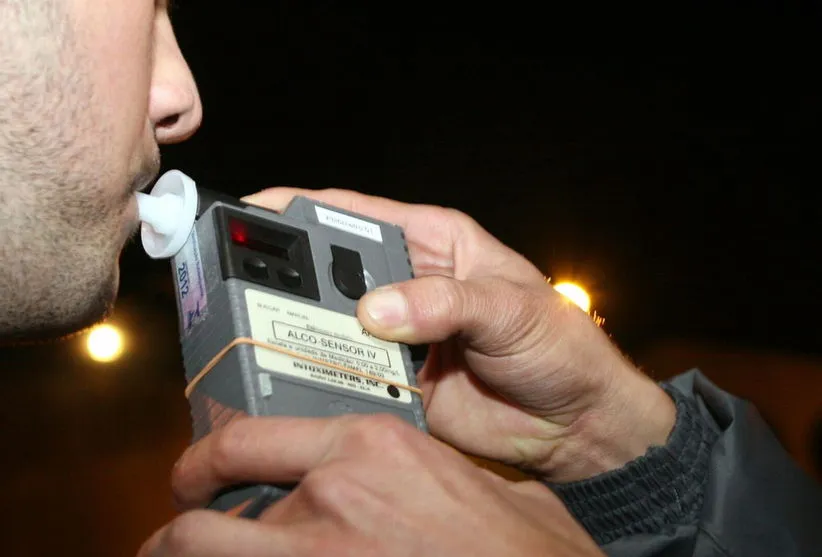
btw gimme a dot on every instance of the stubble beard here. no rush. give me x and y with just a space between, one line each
61 226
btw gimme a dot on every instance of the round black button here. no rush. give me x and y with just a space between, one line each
350 283
290 277
256 268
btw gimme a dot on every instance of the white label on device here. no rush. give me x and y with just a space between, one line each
349 224
324 336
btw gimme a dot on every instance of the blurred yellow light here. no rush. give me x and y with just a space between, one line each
576 294
105 343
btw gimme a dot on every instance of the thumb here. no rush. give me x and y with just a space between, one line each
491 313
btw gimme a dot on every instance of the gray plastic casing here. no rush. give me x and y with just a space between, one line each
233 385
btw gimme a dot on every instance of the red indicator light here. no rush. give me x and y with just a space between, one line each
239 232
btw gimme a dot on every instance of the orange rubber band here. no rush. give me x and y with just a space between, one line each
237 341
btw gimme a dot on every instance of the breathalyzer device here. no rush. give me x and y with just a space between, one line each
267 302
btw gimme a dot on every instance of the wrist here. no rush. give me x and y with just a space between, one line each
632 415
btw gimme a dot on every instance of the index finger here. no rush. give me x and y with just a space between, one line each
212 534
252 450
380 208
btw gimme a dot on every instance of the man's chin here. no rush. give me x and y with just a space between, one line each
71 323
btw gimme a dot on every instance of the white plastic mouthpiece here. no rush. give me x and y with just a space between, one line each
167 214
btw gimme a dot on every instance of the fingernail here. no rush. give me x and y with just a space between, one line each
387 307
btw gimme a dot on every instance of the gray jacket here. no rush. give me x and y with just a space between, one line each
723 485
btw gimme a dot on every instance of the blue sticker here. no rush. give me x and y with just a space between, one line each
191 286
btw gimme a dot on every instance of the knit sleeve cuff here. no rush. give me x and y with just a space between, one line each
664 486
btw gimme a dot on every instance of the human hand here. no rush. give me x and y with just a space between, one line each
516 373
367 486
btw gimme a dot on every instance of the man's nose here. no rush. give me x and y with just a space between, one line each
175 107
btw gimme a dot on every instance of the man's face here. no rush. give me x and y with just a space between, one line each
88 89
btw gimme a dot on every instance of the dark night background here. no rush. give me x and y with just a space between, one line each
665 156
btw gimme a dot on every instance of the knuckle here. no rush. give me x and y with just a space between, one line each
179 475
466 231
262 192
443 297
361 433
459 217
389 425
335 193
487 253
372 434
341 198
182 533
228 441
329 489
